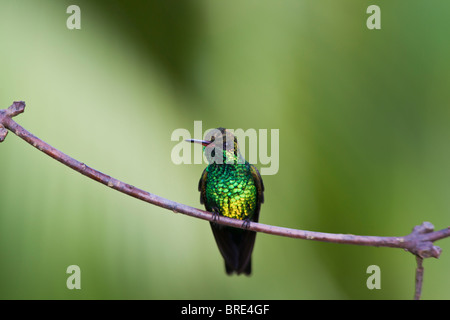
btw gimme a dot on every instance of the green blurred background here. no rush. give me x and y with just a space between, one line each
364 143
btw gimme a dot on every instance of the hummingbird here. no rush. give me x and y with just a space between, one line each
230 187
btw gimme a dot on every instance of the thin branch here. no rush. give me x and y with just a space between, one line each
419 278
419 241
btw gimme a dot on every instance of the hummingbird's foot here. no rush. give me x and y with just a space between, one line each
246 223
216 214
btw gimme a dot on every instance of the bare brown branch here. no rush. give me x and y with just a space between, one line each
419 241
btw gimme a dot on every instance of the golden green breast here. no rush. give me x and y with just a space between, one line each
232 191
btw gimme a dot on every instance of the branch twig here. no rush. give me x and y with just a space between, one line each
419 241
419 278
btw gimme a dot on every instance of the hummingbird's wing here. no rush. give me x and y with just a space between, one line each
260 190
202 187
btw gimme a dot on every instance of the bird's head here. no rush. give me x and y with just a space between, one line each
220 147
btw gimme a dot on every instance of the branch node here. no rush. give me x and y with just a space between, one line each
421 247
16 108
428 250
425 227
3 133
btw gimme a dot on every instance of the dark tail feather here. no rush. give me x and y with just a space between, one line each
247 271
236 247
228 269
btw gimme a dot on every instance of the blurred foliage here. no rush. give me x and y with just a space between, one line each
363 118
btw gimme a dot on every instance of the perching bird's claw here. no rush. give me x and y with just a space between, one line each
216 214
246 223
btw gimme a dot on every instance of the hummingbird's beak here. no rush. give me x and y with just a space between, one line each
202 142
